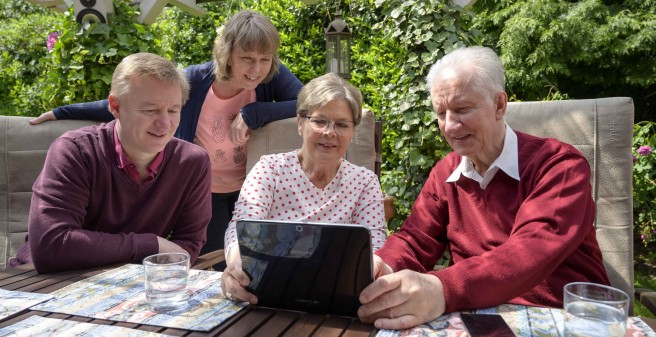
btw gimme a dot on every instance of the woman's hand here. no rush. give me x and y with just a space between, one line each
380 267
234 280
239 131
46 116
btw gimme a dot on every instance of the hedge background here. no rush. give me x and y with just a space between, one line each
551 50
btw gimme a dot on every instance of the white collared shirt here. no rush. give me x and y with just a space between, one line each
508 161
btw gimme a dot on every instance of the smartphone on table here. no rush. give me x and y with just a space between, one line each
482 325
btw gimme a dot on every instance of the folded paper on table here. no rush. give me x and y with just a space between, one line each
119 295
523 320
13 302
42 326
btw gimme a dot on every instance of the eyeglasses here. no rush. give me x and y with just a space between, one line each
341 128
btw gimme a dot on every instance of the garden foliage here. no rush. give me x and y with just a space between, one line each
80 66
587 48
23 31
644 181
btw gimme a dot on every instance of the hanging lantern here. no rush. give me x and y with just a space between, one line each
338 47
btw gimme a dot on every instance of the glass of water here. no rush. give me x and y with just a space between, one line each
166 281
595 310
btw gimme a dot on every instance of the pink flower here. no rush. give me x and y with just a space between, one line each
635 159
642 236
52 38
644 150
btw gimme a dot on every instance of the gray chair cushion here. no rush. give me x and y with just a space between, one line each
23 149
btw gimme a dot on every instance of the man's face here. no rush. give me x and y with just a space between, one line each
470 120
148 116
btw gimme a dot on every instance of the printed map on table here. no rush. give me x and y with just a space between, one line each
13 302
523 320
42 326
119 295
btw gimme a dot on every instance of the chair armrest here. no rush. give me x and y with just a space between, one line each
388 206
647 297
206 261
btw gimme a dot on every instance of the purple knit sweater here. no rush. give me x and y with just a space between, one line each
87 212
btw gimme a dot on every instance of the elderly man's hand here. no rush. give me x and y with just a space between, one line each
239 131
402 300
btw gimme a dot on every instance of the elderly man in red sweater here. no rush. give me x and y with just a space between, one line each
118 192
514 210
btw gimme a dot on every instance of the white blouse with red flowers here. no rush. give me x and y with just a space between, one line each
278 189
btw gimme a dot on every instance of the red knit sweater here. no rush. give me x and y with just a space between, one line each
87 212
514 242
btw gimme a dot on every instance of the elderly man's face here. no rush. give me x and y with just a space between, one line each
471 122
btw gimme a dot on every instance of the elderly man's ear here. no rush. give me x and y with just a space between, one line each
113 106
501 103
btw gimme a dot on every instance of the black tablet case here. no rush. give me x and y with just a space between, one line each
326 277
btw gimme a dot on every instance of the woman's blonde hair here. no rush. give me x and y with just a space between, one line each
327 88
251 31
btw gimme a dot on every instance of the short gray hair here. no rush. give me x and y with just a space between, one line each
147 65
482 60
326 88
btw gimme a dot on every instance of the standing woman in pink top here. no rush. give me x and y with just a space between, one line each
313 183
243 88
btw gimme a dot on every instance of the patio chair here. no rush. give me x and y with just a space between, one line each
602 129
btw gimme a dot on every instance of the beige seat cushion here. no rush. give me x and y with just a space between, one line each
602 129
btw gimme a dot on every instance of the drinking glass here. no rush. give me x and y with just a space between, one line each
595 310
166 281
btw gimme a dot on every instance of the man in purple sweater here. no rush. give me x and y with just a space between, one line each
514 210
118 192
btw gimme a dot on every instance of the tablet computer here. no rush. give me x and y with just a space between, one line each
313 267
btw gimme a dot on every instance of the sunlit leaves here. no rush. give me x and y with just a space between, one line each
587 49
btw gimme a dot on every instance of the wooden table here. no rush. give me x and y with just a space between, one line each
251 321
